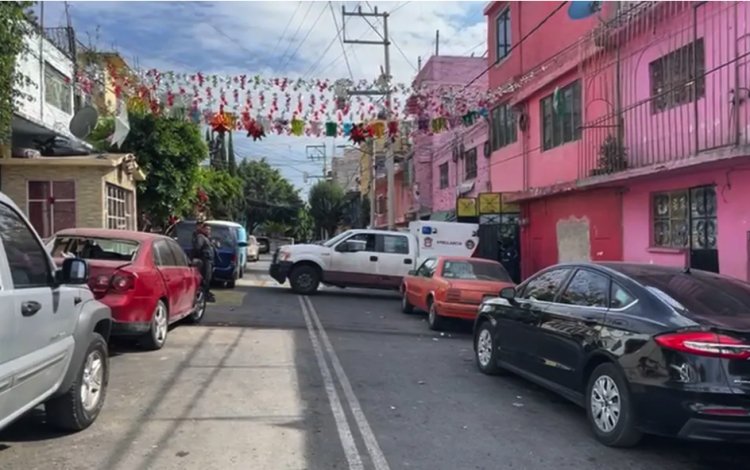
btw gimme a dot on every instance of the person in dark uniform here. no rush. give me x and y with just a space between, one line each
203 249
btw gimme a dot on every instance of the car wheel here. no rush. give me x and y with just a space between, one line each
434 319
79 406
406 307
199 310
231 284
485 350
609 408
304 280
157 334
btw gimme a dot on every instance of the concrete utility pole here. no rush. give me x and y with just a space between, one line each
385 80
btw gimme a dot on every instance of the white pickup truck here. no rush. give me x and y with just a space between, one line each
375 259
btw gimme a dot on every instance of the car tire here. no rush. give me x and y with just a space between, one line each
406 307
199 309
435 321
232 284
71 411
607 393
304 279
157 334
485 350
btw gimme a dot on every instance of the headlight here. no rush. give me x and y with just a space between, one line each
485 308
283 256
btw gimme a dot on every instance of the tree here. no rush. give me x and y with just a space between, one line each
224 191
326 201
269 197
14 27
170 152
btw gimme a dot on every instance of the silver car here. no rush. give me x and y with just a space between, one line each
53 334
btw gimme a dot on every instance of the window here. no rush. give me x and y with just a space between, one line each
163 256
179 255
502 35
670 216
561 116
28 261
503 126
380 205
95 248
587 289
678 77
619 297
428 268
475 271
703 225
395 244
58 89
120 214
51 206
366 239
444 175
545 286
470 164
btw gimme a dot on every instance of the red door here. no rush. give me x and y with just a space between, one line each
419 285
187 274
174 281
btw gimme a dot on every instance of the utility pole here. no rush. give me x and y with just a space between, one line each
318 153
385 81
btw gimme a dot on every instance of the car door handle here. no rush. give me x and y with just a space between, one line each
373 258
30 308
407 261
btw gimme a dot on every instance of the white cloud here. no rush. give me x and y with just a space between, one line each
246 38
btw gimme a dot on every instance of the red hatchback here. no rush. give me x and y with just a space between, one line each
145 278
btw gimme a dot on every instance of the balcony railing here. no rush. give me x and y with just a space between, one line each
671 85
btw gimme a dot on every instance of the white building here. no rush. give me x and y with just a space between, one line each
346 170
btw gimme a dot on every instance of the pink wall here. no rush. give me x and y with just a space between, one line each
659 136
431 150
403 199
551 38
733 218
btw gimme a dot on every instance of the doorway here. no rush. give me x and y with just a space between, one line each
703 229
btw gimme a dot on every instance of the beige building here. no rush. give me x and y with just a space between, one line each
64 192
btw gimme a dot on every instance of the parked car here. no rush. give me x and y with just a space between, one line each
253 249
224 238
452 287
264 245
644 348
145 278
53 334
236 240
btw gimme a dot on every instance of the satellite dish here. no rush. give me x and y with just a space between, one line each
579 10
83 122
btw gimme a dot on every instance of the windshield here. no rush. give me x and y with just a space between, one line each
475 270
337 238
93 248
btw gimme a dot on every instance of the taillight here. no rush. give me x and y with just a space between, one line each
704 343
122 282
453 295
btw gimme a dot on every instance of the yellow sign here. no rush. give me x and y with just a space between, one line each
490 203
466 207
510 207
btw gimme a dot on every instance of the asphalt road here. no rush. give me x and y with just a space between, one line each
340 380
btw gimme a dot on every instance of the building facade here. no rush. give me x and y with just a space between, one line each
631 130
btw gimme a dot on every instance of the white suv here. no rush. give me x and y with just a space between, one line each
53 334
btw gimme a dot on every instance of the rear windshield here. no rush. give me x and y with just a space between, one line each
225 236
701 293
184 233
95 248
475 270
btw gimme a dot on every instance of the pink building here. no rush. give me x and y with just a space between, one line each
450 163
632 136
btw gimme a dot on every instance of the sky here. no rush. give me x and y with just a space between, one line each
274 39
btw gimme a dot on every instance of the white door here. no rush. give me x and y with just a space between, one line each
44 316
395 260
354 261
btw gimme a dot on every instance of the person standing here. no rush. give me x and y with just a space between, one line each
203 250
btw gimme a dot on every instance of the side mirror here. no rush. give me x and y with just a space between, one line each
74 271
508 293
412 272
343 247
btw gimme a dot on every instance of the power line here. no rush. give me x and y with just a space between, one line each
294 36
289 23
393 41
533 30
291 56
341 40
315 66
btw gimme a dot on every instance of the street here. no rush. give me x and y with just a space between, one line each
272 380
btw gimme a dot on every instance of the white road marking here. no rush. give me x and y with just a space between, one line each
342 424
373 448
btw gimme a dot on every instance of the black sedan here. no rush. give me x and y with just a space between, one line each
643 348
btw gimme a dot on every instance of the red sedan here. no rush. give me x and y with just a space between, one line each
452 287
145 278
